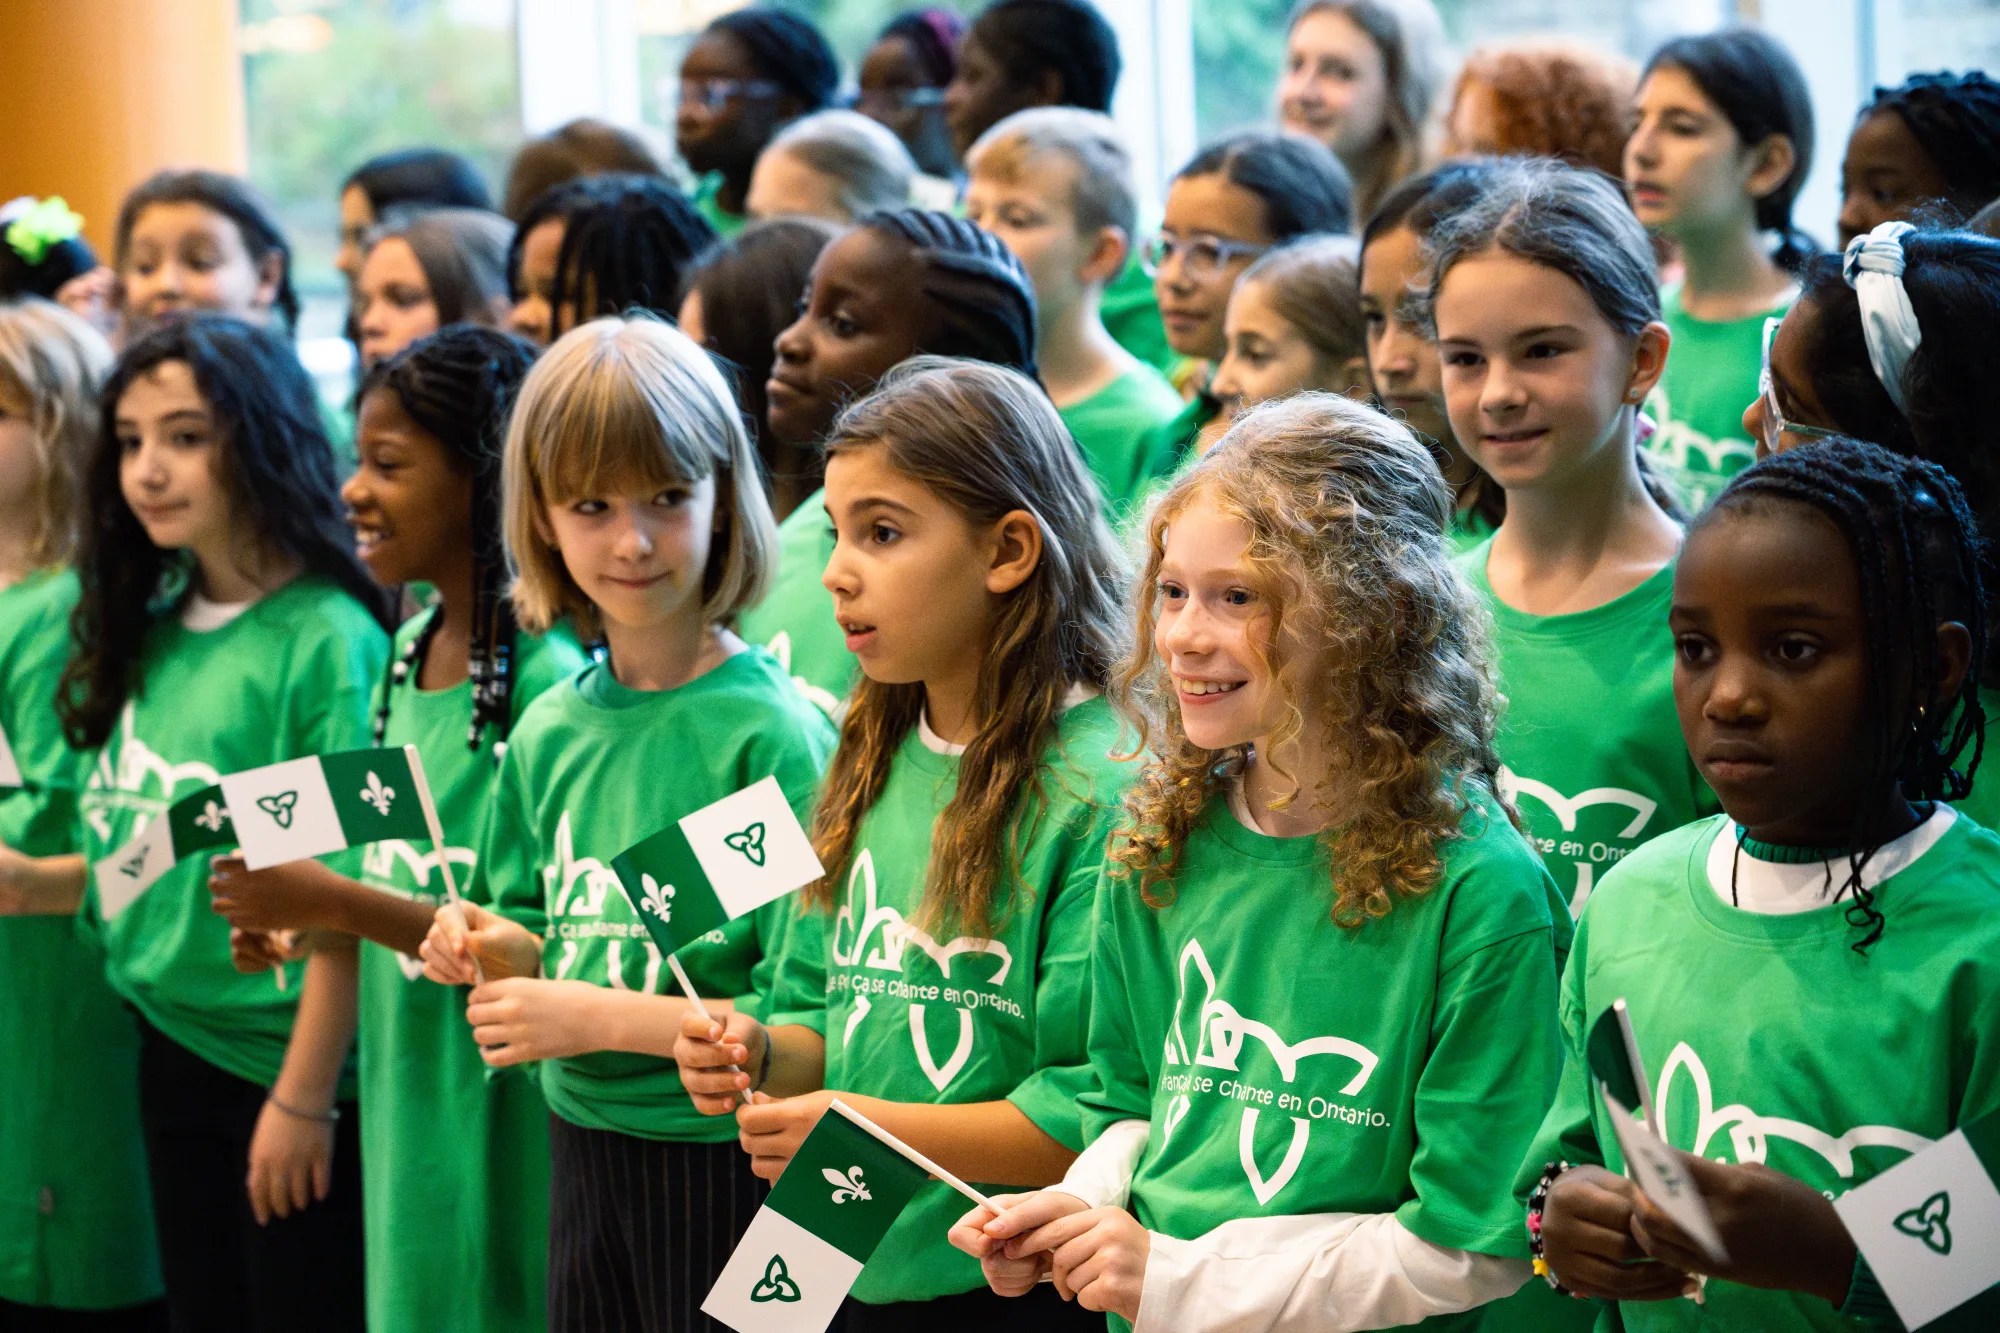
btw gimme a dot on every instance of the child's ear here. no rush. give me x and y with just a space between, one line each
1954 647
1016 550
544 531
1109 250
1776 157
270 276
1649 361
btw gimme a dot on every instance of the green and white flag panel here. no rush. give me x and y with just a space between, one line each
1930 1227
197 822
1650 1162
10 770
725 860
323 803
809 1242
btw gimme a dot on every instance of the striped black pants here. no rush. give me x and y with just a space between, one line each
639 1229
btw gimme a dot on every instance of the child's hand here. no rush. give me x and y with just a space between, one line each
261 950
1098 1256
707 1048
1588 1242
985 1236
771 1129
466 938
519 1019
291 1163
1781 1233
282 897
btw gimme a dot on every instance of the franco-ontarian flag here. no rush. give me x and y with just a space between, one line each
717 864
1930 1228
10 771
194 823
1613 1053
323 803
810 1240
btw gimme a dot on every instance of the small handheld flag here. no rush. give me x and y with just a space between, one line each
838 1197
194 823
10 771
1930 1226
721 862
324 803
1613 1053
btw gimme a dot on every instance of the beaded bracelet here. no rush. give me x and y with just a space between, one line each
1537 1205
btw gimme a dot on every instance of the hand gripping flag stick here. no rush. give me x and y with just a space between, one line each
687 988
453 903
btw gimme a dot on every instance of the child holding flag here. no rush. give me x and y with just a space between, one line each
454 1163
1812 976
68 1049
223 624
939 984
1324 966
632 505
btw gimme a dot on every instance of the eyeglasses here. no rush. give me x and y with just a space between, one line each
1201 256
1775 425
891 101
712 95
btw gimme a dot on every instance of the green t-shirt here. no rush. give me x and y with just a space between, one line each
708 203
594 767
1589 740
1468 529
1171 446
1114 430
1131 314
795 620
1771 1040
288 677
76 1218
1289 1066
454 1157
910 1017
1710 380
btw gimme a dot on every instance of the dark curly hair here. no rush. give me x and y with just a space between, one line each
985 301
1956 117
273 460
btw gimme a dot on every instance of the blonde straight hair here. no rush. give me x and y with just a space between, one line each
630 401
57 364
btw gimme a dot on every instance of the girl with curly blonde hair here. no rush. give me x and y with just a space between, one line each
1324 969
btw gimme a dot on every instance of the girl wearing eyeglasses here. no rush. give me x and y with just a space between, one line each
1722 143
1237 199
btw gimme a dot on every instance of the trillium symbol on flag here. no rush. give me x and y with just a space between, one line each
279 807
776 1284
1929 1222
324 803
750 842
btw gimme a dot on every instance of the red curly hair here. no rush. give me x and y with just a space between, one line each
1548 99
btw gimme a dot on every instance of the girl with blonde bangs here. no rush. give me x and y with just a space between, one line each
633 507
965 817
68 1047
1315 856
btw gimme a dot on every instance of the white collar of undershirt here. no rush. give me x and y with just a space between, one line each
202 616
1770 888
937 744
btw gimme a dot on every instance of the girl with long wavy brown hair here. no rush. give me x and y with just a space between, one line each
1323 973
938 980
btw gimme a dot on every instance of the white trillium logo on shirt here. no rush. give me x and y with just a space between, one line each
849 1186
378 794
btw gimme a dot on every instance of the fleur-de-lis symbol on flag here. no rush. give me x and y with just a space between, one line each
1929 1222
750 842
212 817
656 898
378 794
849 1186
279 807
776 1284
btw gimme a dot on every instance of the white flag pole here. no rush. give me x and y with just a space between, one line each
453 903
687 988
863 1122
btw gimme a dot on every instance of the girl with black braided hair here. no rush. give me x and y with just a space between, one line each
1824 959
454 1163
1931 144
899 284
602 246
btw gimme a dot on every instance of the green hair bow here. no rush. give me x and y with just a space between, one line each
43 227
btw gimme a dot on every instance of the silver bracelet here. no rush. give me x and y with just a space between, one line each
330 1116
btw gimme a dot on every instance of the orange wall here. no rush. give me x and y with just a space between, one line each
98 94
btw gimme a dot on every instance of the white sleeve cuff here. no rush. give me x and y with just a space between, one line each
1329 1273
1102 1174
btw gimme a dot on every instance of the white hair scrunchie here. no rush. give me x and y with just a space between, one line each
1873 267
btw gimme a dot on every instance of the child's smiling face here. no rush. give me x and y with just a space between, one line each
1771 671
409 505
638 550
1213 631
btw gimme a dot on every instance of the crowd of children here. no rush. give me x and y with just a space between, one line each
1259 693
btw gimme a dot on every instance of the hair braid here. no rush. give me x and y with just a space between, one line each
986 300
